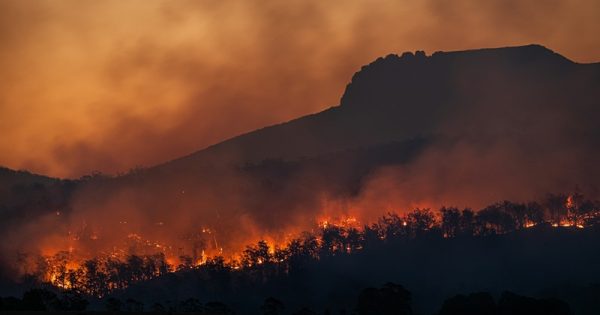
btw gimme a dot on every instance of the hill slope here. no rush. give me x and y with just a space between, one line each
398 98
462 128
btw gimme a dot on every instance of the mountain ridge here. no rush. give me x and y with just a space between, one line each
248 147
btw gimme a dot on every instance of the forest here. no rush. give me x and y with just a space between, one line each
114 283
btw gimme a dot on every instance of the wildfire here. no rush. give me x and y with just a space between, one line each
345 222
84 254
569 203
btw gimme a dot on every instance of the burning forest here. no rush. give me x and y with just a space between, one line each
469 172
138 259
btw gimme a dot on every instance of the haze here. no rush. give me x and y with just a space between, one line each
106 86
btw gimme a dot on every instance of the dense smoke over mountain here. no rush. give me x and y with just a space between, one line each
462 128
107 86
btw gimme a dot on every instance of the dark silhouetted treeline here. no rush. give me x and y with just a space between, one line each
505 246
102 275
390 299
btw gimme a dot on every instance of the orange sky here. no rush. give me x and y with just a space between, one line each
109 85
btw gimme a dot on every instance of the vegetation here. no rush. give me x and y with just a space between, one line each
103 278
390 299
261 261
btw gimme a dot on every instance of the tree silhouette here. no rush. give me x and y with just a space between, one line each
420 221
392 227
332 238
494 219
467 223
450 224
354 239
556 206
371 236
535 212
256 255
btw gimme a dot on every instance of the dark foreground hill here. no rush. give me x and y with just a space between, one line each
542 262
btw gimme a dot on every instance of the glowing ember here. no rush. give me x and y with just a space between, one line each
83 258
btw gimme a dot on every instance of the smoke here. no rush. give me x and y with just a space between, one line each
112 85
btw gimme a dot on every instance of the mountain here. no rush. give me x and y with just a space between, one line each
465 128
399 98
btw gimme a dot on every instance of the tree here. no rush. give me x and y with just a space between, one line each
494 219
372 235
392 227
467 222
95 278
353 240
256 255
281 257
187 262
135 267
332 240
420 221
534 213
556 206
450 222
517 211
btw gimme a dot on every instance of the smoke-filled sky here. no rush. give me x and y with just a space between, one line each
109 85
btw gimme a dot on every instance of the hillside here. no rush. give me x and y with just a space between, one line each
487 122
397 98
464 128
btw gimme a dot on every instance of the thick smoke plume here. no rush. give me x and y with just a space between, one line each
112 85
427 131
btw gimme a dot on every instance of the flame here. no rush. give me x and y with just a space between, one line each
342 222
68 270
569 203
